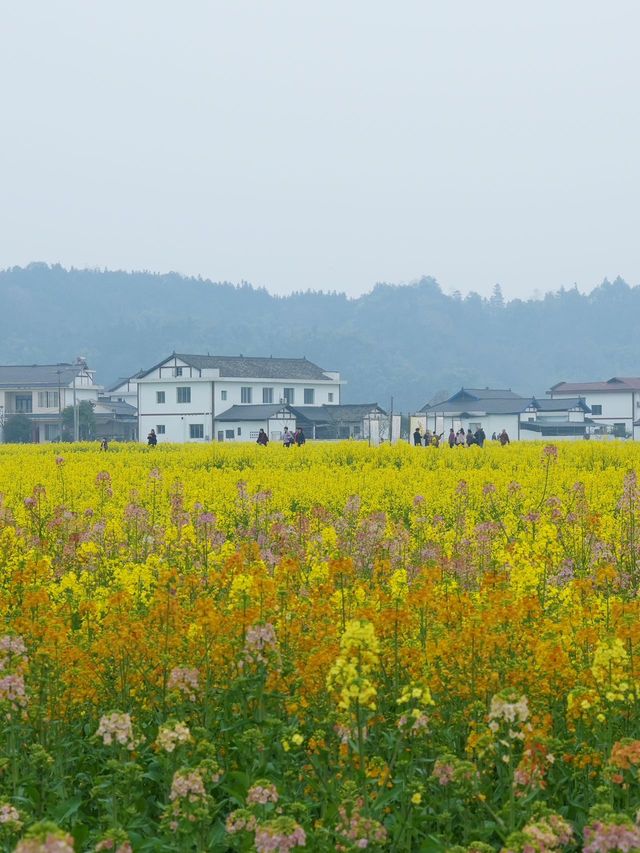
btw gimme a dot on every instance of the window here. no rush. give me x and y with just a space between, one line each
160 397
267 395
309 396
184 394
228 434
48 399
289 396
331 396
51 432
160 428
620 430
24 403
223 395
245 394
177 371
596 410
239 431
196 430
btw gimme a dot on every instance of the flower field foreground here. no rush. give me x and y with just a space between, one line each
331 648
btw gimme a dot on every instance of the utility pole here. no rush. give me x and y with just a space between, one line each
59 406
76 418
391 422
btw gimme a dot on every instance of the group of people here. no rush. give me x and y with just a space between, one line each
288 438
430 439
459 438
462 439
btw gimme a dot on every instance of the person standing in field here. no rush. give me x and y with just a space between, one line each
287 437
417 437
262 438
460 436
300 437
481 436
152 438
452 438
504 438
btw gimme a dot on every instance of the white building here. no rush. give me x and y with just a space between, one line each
614 404
124 390
183 397
495 409
555 419
42 391
327 422
243 423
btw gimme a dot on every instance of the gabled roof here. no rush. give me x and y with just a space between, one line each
353 411
38 375
337 414
486 394
616 383
313 414
258 412
232 366
562 405
123 380
499 401
325 414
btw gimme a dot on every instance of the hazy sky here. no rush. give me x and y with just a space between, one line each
326 145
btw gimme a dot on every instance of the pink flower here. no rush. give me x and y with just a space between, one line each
116 727
261 793
185 681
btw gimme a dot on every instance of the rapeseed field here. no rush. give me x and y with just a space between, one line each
333 647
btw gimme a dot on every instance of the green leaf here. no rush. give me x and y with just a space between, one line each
65 810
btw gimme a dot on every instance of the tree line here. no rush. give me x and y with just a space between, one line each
410 342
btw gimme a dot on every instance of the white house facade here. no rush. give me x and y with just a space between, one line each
183 397
41 392
495 409
614 404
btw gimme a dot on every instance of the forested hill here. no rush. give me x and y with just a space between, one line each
410 342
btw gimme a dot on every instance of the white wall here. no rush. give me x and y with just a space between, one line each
617 406
127 392
233 390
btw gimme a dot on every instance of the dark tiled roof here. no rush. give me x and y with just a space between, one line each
352 411
616 383
117 406
343 413
489 393
232 366
551 429
256 412
313 414
38 375
498 400
560 405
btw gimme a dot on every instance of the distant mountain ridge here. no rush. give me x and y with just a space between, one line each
409 342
